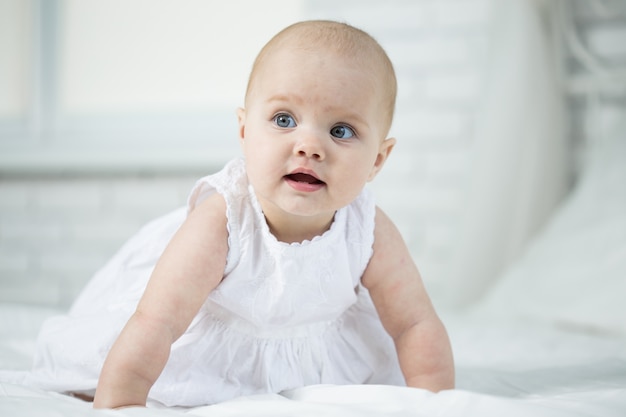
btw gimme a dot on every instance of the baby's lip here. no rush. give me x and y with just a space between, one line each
305 176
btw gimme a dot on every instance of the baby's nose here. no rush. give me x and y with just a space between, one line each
310 145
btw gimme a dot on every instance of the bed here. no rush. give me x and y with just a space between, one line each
547 339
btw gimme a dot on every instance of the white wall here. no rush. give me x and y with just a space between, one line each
597 106
140 55
15 30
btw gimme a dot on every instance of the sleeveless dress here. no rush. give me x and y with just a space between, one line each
284 316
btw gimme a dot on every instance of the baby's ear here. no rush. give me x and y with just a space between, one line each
241 120
383 153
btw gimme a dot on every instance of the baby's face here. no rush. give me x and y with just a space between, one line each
313 132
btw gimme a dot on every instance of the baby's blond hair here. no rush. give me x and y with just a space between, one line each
338 38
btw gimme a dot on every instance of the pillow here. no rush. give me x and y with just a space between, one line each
574 272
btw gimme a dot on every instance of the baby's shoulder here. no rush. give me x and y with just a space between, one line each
213 205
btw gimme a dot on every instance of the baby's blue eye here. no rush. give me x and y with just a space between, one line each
284 120
342 132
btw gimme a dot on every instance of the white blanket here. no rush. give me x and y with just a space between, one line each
504 367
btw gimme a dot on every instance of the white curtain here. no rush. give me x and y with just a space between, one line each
519 170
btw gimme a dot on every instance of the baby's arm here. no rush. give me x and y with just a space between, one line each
406 311
191 266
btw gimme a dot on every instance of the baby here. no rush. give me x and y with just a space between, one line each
281 272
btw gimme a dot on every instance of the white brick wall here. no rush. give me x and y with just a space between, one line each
54 233
601 28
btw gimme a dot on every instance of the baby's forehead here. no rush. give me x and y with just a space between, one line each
324 65
358 57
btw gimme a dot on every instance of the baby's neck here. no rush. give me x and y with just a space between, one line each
297 230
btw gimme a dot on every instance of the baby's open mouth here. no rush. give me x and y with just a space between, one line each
304 178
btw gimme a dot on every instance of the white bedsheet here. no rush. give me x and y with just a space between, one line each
504 367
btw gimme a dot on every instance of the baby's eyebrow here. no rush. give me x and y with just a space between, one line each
285 98
350 117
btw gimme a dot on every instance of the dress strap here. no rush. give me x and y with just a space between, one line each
360 224
231 183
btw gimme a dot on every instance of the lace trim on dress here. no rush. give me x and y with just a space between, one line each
338 219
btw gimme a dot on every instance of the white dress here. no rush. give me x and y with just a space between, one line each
284 316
